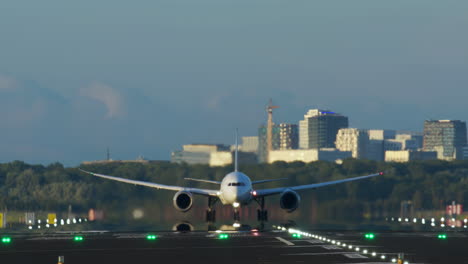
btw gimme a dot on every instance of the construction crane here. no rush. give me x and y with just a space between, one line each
269 109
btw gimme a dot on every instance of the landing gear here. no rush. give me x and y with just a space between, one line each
211 213
236 216
262 214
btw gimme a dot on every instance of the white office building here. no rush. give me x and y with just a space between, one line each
354 140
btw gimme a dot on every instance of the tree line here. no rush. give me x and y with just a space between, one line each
428 184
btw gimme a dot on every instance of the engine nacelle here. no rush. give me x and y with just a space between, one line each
289 200
183 201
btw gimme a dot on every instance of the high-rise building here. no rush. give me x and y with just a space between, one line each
354 140
447 137
288 136
319 129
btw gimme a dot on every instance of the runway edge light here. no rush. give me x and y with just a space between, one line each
442 236
223 236
78 238
151 237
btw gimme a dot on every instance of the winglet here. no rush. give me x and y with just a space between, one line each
236 152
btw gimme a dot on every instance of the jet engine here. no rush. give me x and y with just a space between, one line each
289 200
183 201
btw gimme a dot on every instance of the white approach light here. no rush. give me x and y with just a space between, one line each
374 254
235 205
406 262
383 257
350 247
399 219
393 260
364 251
30 227
357 249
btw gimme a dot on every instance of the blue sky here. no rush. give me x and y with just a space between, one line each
144 77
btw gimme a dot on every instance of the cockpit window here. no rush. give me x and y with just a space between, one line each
236 184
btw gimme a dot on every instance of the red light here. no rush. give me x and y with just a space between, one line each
380 173
254 193
255 234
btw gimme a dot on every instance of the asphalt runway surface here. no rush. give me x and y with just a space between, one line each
273 246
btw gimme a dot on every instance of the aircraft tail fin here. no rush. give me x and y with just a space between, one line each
236 155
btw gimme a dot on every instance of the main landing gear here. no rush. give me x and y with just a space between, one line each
262 214
210 212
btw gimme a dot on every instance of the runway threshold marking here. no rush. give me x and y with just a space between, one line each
285 241
355 256
331 247
314 241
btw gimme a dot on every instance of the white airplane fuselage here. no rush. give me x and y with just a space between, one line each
236 189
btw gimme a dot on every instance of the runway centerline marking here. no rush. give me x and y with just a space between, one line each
285 241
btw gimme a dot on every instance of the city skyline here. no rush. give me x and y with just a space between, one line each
143 80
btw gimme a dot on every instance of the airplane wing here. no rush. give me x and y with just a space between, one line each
262 181
200 180
158 186
266 192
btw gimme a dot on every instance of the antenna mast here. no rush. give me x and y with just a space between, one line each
269 109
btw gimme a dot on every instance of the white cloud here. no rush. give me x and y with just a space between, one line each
106 95
7 83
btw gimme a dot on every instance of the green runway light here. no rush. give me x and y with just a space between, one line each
78 238
442 236
151 237
369 236
296 235
6 240
223 236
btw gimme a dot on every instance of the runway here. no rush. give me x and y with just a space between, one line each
273 246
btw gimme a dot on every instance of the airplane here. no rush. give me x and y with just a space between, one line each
235 189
